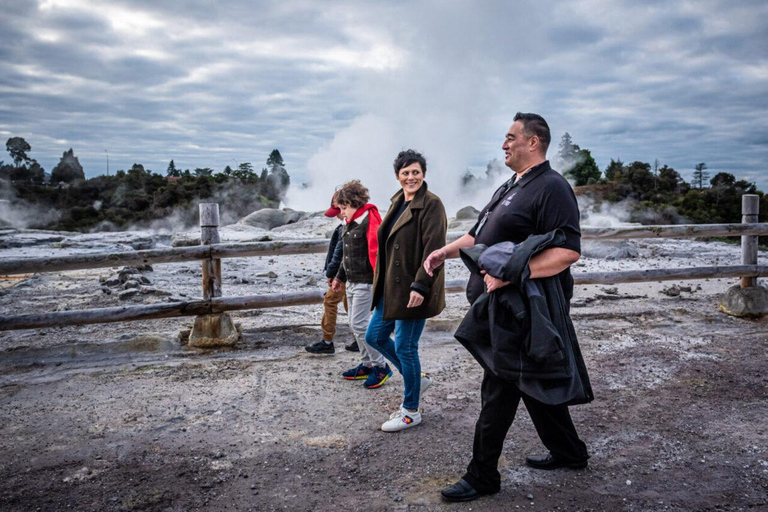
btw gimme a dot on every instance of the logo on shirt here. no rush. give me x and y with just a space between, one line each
509 199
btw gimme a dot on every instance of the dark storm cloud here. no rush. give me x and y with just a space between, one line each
336 84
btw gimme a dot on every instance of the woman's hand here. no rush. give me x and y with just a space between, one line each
415 300
492 283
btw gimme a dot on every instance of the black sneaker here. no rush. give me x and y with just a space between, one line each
321 347
352 347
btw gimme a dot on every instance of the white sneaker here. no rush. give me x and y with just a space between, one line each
401 420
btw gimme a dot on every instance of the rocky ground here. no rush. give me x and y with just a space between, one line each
122 417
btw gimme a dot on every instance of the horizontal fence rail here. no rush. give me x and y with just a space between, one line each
222 304
276 248
211 253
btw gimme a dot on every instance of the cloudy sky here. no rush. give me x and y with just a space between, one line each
340 87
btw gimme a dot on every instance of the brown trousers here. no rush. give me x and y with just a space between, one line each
330 310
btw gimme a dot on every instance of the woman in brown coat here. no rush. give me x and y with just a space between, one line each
404 295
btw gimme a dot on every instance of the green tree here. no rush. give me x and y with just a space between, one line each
278 180
613 168
18 148
245 172
203 171
585 170
68 169
172 170
699 175
566 152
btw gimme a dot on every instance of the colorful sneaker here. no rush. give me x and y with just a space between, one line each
321 347
400 420
378 377
358 373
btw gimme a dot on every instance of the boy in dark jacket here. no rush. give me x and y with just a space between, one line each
332 297
359 238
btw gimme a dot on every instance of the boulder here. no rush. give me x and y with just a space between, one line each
270 218
609 250
750 302
467 213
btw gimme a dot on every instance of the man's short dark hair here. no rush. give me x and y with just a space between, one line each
353 193
534 124
408 157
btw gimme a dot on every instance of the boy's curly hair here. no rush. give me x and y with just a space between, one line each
353 193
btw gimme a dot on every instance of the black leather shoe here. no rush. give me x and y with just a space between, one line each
549 462
352 347
460 491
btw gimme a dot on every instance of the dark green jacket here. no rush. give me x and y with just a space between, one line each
400 263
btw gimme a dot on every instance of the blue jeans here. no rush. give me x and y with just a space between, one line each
402 352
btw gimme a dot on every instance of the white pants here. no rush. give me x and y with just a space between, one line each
359 297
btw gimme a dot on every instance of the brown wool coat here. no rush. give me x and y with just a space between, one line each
400 263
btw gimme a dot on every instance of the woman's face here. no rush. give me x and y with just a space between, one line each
411 178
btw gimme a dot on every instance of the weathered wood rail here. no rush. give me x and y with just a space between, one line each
278 248
212 253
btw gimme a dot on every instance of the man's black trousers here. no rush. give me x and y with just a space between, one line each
500 400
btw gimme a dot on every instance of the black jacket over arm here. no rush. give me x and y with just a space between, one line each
523 332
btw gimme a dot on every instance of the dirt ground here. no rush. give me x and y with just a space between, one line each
121 417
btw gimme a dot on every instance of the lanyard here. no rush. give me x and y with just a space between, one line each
506 187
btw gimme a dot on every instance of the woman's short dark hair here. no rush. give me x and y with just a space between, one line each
353 193
408 157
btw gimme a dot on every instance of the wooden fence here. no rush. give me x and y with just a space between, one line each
211 252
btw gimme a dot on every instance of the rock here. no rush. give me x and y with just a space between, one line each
467 213
142 244
184 240
610 291
112 281
672 291
144 280
312 281
609 250
215 330
269 274
127 272
270 218
131 283
127 294
749 302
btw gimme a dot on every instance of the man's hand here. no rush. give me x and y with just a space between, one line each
432 263
416 298
336 285
492 283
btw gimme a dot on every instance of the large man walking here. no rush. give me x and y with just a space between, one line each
535 201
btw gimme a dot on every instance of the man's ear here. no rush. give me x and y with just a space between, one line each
534 143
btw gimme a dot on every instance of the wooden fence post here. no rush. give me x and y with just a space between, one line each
750 207
215 329
209 234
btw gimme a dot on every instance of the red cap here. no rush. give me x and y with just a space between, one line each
333 211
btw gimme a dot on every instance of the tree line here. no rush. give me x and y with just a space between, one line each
653 193
135 197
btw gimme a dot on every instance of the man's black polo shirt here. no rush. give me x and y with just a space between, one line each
540 202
